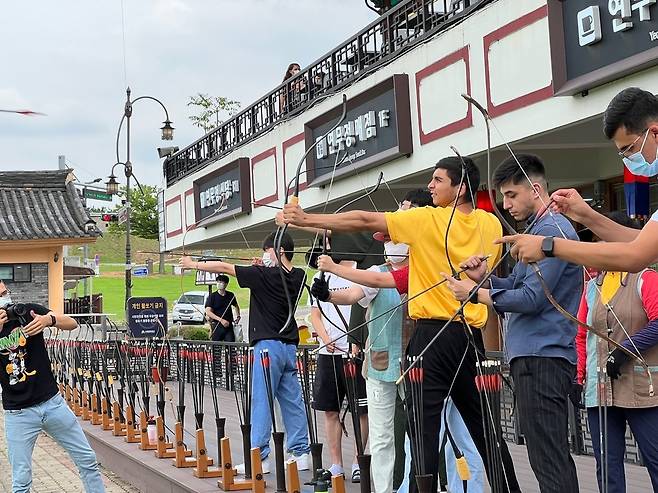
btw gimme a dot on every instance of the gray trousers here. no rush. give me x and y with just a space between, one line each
541 386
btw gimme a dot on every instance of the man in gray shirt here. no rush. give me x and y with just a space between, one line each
539 343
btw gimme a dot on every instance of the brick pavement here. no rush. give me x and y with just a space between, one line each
53 470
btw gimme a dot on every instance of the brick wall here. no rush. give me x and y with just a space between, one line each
33 292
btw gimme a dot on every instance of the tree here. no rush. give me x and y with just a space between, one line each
143 215
210 108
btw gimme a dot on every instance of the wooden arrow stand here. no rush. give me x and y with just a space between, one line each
77 409
203 462
228 482
67 396
106 425
163 448
86 411
338 484
181 454
131 432
292 477
95 417
144 443
118 428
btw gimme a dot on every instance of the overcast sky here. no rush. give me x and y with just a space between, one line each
66 59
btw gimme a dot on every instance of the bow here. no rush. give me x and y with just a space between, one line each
546 209
294 199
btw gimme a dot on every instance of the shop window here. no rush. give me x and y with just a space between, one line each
16 272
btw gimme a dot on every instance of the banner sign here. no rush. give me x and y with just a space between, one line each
147 316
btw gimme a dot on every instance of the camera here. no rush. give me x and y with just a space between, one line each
16 311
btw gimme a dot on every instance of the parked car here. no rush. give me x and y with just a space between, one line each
190 307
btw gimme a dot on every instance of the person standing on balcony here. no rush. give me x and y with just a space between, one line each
268 312
539 341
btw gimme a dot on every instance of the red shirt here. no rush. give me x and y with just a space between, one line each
401 278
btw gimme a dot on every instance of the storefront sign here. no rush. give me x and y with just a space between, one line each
223 192
376 130
596 41
205 278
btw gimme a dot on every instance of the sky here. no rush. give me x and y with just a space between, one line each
66 59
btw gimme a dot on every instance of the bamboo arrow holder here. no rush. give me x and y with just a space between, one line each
202 469
292 477
228 482
131 431
106 425
118 428
67 396
163 448
181 454
144 443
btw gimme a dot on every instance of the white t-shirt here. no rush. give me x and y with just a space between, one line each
654 216
335 284
369 293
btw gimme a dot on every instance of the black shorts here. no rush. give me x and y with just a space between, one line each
329 387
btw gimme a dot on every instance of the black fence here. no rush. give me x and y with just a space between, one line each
400 28
225 365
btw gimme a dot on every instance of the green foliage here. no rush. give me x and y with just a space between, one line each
209 110
143 215
195 333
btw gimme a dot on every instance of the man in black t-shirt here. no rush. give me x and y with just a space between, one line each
30 396
219 310
268 313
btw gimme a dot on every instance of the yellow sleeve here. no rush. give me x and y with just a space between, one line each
403 225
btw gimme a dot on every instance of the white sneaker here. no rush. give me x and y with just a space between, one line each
301 460
265 464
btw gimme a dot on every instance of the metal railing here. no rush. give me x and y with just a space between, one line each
227 363
398 29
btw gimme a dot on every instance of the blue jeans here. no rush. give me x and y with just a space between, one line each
22 428
287 391
644 425
467 446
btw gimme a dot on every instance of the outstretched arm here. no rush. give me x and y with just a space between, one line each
216 266
363 277
345 221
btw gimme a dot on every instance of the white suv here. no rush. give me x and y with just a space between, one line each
190 307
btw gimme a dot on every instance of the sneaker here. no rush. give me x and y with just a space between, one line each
336 470
301 460
356 473
265 464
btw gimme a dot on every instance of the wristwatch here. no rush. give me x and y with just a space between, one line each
53 320
547 245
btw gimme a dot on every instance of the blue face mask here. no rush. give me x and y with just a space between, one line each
638 165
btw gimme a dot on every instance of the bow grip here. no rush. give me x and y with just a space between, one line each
294 200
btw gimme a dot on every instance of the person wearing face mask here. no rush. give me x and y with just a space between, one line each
631 122
539 340
268 312
222 310
30 396
450 361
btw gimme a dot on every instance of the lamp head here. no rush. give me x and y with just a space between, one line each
112 185
167 131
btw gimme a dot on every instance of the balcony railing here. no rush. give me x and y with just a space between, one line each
400 28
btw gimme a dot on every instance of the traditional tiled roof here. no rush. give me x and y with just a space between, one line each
41 205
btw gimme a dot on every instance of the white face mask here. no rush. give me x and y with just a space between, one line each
221 285
267 260
5 301
396 252
638 165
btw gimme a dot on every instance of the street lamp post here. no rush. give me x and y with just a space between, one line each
112 184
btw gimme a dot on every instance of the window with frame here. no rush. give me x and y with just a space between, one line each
16 272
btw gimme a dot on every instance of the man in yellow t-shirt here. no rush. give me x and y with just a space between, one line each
437 243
